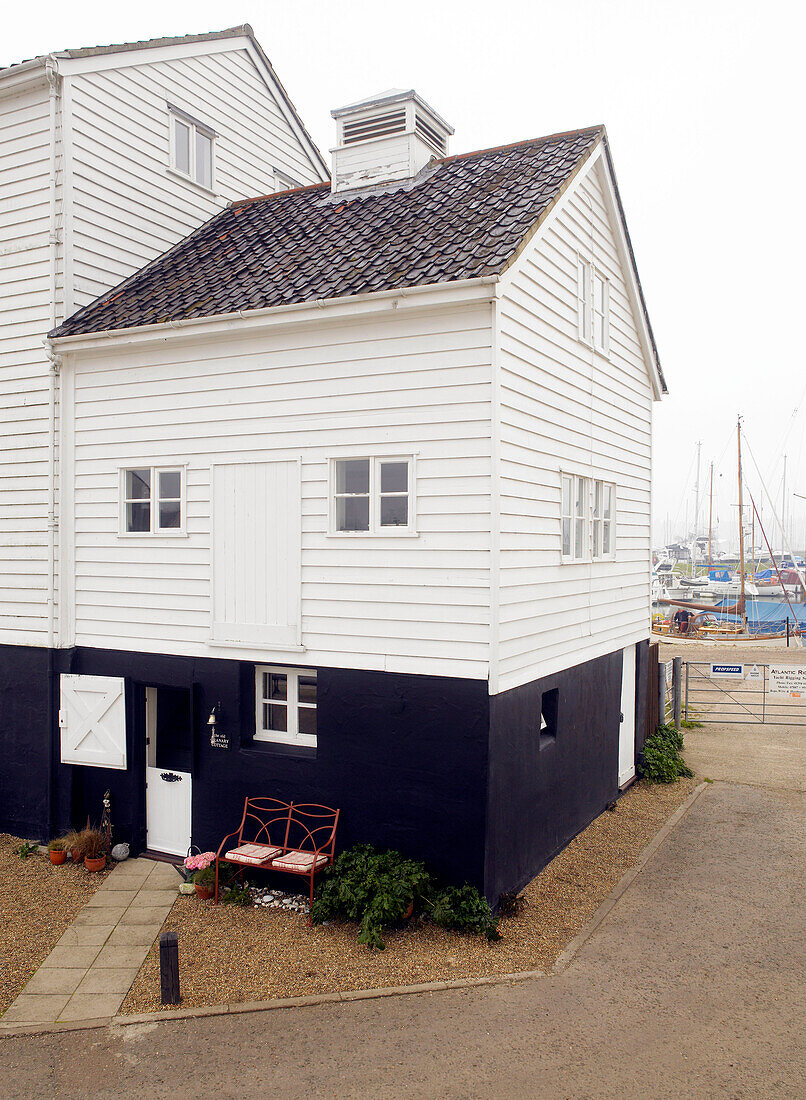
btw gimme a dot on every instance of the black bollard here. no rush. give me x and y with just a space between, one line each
169 968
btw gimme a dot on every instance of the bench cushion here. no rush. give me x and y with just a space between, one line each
296 860
253 853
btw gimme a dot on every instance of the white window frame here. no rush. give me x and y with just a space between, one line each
587 274
375 528
580 545
290 736
598 522
175 114
154 531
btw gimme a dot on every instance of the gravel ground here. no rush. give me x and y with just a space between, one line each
37 903
234 955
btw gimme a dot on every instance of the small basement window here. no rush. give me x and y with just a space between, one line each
549 705
285 705
152 501
192 148
372 496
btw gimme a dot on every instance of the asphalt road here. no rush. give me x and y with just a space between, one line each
693 986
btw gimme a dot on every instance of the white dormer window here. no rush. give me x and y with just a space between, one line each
593 306
192 147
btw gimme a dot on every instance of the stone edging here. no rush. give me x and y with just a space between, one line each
387 991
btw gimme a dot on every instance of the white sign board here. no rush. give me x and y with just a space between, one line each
787 680
727 672
754 674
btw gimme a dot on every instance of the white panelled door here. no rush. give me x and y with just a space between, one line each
257 540
168 790
92 718
626 740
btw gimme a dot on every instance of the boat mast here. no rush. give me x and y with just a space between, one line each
710 516
696 507
783 513
741 524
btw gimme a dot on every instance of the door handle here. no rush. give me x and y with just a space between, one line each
170 777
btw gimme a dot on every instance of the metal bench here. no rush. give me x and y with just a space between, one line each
294 838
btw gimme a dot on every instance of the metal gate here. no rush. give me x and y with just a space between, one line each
733 693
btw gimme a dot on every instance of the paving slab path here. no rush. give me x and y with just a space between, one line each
91 968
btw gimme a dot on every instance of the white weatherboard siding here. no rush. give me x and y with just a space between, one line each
24 312
401 383
563 406
125 206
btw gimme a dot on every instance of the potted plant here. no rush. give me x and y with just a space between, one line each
93 843
56 851
71 842
203 873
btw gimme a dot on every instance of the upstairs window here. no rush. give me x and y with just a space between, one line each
192 149
372 496
603 504
574 517
593 306
152 501
285 701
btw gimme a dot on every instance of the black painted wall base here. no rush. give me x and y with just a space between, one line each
432 766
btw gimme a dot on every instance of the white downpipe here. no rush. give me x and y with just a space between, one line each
52 71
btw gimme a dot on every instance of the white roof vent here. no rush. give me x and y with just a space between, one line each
385 139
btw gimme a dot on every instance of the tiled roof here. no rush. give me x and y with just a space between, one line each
462 218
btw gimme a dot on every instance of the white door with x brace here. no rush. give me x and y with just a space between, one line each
92 720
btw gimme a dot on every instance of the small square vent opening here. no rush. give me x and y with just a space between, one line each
549 705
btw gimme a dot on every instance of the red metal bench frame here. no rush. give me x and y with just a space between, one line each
264 820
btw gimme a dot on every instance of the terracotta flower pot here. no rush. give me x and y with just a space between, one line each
204 892
75 855
95 864
57 856
409 911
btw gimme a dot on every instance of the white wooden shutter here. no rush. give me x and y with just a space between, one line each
92 717
257 541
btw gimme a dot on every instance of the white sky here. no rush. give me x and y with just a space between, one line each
703 101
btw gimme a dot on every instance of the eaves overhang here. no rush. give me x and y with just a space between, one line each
241 322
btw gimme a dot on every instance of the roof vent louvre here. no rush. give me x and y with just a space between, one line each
365 129
430 135
386 140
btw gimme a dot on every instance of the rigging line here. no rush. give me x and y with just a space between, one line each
774 511
685 490
791 424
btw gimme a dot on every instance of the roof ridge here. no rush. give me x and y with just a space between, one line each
599 128
243 30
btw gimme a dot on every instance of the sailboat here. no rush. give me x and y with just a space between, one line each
710 615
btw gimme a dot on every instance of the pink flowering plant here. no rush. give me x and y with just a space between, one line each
199 868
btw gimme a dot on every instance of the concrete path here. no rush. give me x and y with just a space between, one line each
91 968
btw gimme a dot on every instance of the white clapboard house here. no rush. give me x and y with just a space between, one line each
354 508
108 156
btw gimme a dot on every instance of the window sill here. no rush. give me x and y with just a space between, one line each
259 747
192 183
389 532
152 535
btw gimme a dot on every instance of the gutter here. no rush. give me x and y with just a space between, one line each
345 306
52 74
